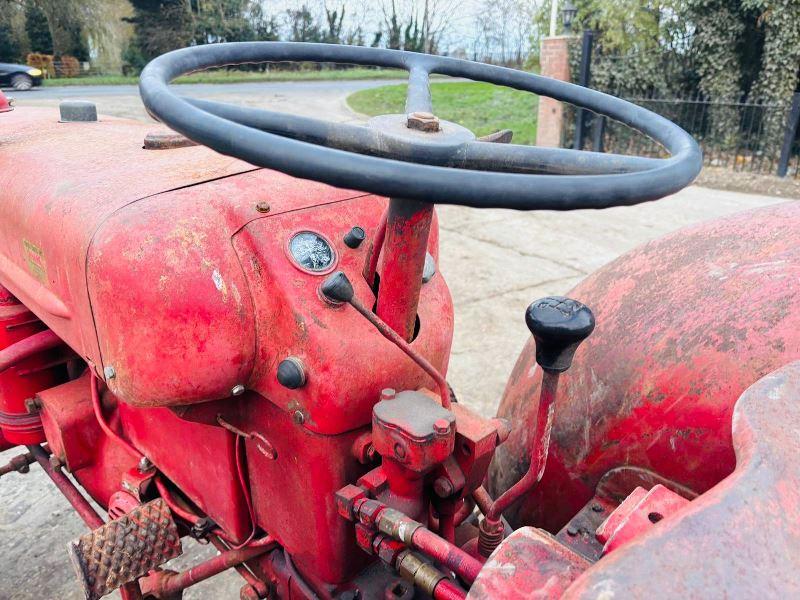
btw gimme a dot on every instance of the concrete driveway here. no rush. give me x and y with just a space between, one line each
496 263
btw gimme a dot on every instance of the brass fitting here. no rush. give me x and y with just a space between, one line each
415 570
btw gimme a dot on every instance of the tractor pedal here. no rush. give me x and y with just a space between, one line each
125 548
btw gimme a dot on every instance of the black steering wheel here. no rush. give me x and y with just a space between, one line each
413 156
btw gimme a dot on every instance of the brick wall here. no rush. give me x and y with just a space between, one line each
555 64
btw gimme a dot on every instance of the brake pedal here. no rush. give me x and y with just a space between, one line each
125 549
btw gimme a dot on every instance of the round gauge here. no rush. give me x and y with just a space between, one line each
311 252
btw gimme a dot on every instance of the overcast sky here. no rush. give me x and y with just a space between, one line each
462 26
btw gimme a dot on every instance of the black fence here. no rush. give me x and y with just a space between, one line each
742 135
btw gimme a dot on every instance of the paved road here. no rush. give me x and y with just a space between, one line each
496 263
306 97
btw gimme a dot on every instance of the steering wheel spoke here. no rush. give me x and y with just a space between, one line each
516 158
418 96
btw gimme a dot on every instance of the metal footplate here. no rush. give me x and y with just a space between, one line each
125 549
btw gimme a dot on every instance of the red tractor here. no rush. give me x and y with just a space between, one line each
237 332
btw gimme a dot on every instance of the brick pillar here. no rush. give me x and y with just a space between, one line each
555 64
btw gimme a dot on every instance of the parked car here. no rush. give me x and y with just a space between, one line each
20 77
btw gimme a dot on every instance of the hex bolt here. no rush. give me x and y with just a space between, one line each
263 207
399 451
443 487
298 417
145 465
237 390
109 372
441 426
423 121
33 405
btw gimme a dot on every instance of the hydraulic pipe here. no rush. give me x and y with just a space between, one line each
414 534
447 590
30 346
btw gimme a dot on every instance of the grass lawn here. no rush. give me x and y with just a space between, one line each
481 107
223 76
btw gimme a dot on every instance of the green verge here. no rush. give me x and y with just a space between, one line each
482 107
240 77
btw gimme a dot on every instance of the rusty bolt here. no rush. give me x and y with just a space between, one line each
298 417
262 207
399 451
388 394
443 487
441 426
423 121
346 499
33 405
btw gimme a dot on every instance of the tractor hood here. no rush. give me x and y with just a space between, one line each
170 272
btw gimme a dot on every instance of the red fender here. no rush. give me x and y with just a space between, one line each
684 325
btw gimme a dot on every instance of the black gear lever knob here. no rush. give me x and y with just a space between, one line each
558 325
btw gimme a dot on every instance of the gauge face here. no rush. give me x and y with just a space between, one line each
311 251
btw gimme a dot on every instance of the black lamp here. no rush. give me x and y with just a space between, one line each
568 15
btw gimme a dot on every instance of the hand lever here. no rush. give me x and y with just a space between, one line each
337 288
558 326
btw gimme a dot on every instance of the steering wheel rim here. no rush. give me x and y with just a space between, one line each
291 144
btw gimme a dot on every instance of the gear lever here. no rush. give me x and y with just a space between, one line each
558 325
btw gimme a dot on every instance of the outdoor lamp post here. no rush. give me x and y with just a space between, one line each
568 15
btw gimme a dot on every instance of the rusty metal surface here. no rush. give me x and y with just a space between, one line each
637 515
530 563
741 538
125 548
684 325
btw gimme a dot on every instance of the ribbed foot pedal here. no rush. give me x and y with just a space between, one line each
125 549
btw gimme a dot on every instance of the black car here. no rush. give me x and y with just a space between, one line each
20 77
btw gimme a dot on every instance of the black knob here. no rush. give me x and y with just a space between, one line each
291 373
354 237
337 288
558 325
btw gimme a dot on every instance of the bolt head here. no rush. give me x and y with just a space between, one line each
263 207
443 487
237 390
441 426
399 451
423 121
298 417
109 372
145 465
388 394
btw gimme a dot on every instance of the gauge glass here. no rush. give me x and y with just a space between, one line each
311 251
